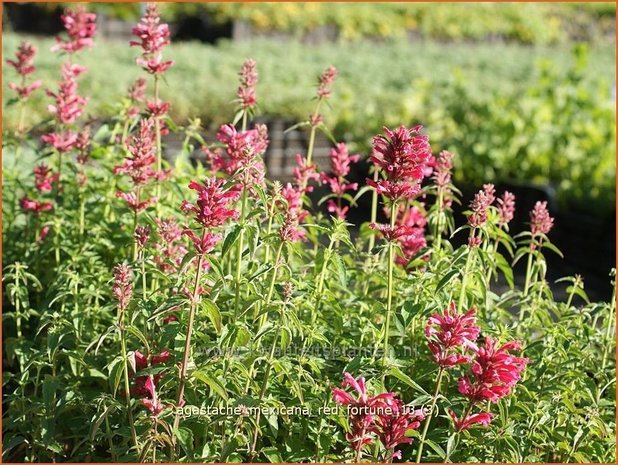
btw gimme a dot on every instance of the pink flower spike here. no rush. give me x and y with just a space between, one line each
212 207
494 372
325 82
248 81
506 208
540 221
24 59
122 288
450 334
403 156
80 27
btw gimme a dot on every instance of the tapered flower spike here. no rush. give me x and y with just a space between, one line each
122 288
248 81
24 65
450 335
506 208
495 371
153 37
80 26
540 221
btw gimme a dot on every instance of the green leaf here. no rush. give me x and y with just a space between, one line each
185 438
213 313
401 376
230 240
214 384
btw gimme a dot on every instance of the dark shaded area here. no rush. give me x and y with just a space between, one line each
202 28
31 18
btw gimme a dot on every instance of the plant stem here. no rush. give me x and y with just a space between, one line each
528 273
464 278
241 244
82 213
185 358
158 140
374 211
127 387
312 133
269 364
438 233
389 289
421 442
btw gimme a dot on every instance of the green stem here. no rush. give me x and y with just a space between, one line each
528 272
439 220
158 140
312 133
389 289
269 364
241 245
82 213
187 349
127 387
434 399
374 211
464 277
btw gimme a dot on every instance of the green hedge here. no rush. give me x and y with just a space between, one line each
535 114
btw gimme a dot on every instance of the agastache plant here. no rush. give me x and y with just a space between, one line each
152 38
402 155
210 211
340 161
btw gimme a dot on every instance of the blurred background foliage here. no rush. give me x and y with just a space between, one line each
520 92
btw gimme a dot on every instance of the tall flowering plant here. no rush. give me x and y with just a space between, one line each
152 36
402 156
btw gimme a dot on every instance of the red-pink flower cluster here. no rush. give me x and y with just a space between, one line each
412 241
479 206
122 289
450 335
44 178
506 208
495 371
243 151
67 108
540 221
81 27
442 168
141 363
394 423
152 402
451 338
325 82
383 415
170 249
403 156
24 65
141 236
211 211
293 214
340 160
303 173
139 166
29 205
137 95
153 37
142 149
248 82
